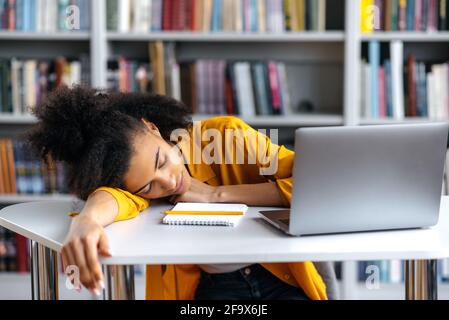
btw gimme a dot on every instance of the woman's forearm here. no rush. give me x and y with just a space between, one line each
86 239
262 194
101 207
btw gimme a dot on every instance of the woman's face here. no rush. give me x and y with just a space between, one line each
156 168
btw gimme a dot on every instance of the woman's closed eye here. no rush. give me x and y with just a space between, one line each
161 164
146 190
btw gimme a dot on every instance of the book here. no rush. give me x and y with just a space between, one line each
394 15
387 18
411 87
156 52
382 93
3 179
397 82
245 92
388 89
274 87
4 166
374 60
410 16
142 15
156 16
284 89
205 214
300 12
260 88
366 16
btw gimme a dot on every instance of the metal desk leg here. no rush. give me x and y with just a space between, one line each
120 282
44 272
421 280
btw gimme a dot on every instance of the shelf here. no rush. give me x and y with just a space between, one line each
407 36
16 119
287 121
394 121
42 36
18 198
282 121
329 36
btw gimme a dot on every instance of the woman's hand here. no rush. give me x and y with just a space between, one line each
261 194
84 241
198 192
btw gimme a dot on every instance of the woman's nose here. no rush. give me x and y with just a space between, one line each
169 182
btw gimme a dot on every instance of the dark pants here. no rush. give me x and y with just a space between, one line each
251 283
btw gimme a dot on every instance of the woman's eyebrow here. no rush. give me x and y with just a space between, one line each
155 168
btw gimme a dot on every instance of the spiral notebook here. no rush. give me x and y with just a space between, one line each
205 214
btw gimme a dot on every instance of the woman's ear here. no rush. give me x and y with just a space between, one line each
152 127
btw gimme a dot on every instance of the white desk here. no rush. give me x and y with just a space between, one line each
144 240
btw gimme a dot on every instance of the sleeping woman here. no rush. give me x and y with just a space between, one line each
124 149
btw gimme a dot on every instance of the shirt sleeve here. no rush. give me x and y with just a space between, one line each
283 177
129 205
273 161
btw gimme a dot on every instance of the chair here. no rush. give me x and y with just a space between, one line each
327 272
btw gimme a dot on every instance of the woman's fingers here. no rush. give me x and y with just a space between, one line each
76 248
64 259
103 246
68 260
91 254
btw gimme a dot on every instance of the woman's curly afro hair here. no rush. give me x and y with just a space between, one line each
92 132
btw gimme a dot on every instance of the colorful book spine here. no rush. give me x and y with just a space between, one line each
388 89
367 18
382 93
274 87
403 15
374 60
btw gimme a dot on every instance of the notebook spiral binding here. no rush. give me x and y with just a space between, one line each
201 223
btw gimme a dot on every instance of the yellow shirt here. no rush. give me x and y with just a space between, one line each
180 281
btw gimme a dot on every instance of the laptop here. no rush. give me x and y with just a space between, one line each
364 178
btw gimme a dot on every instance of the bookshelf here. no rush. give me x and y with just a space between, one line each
331 59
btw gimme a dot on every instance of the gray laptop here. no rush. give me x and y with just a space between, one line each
348 179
